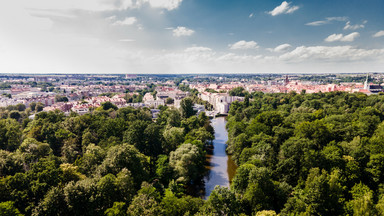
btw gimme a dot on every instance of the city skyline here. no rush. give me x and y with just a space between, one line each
191 36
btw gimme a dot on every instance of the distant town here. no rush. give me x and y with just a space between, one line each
213 93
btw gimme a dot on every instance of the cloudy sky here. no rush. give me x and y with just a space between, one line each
191 36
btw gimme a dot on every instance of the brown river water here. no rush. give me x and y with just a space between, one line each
221 167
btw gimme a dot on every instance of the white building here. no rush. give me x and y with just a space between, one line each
154 103
80 109
220 101
222 107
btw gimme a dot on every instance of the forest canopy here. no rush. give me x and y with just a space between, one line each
298 154
309 154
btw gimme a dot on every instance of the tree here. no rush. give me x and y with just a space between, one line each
10 134
174 206
8 209
146 202
222 201
238 91
118 209
80 194
266 213
322 195
153 141
54 203
59 98
93 157
187 161
32 150
173 138
125 186
125 156
10 163
362 202
39 107
20 107
186 106
260 193
33 106
108 105
163 170
169 101
134 134
375 167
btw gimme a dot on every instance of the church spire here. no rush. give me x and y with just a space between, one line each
366 86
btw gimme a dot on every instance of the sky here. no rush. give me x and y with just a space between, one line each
191 36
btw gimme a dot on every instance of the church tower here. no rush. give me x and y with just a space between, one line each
286 82
366 85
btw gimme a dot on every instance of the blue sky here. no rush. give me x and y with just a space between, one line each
191 36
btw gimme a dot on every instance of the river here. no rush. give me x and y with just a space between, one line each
221 167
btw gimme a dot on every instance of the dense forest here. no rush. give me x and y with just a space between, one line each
298 154
308 154
111 162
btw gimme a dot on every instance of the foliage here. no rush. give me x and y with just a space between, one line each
58 165
308 154
298 154
186 105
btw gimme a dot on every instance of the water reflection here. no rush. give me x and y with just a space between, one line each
221 167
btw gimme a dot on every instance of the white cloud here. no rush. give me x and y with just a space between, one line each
125 22
317 23
100 5
340 37
251 15
329 53
340 19
89 5
165 4
234 58
379 34
348 26
281 48
328 20
198 49
243 45
182 31
284 8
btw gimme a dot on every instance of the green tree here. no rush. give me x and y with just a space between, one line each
362 202
222 201
186 106
59 98
125 156
169 101
8 209
39 107
163 169
54 203
173 138
118 209
33 106
188 162
238 91
20 107
146 202
108 105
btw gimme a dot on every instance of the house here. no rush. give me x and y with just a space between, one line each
154 103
